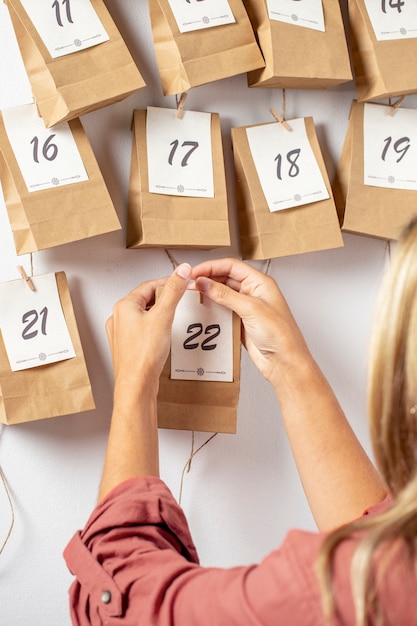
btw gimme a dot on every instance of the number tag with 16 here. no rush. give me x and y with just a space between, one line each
180 160
32 323
66 26
393 19
199 14
47 157
202 340
287 168
308 14
390 147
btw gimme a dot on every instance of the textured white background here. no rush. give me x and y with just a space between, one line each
243 492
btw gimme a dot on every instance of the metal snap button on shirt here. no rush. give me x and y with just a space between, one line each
106 596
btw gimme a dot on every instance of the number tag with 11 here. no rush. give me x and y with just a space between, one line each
33 324
200 14
180 160
202 340
46 157
390 147
66 26
286 166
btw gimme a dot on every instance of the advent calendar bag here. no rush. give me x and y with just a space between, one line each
377 207
168 213
217 47
202 404
74 55
52 185
384 48
317 57
298 222
58 388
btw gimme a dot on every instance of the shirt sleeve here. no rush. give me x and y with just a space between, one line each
135 564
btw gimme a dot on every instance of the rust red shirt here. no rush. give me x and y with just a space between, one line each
136 565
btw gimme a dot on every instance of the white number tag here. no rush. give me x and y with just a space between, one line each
202 340
287 168
32 323
393 19
199 14
47 157
307 14
66 26
390 147
180 161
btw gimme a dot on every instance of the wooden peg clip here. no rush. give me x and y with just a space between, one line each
395 106
180 104
280 119
26 278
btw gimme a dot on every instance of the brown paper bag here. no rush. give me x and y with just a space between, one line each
158 220
206 406
60 388
265 234
298 57
382 68
51 217
365 210
69 86
187 60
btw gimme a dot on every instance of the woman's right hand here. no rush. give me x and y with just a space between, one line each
270 333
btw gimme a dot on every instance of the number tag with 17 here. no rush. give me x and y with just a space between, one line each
32 323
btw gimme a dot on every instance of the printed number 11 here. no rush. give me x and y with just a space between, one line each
56 6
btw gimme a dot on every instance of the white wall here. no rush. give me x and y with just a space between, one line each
242 493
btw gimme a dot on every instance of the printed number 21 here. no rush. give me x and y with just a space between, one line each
56 6
198 328
30 318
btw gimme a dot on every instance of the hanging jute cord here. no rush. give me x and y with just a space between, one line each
187 466
7 492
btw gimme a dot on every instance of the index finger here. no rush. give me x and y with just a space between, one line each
234 273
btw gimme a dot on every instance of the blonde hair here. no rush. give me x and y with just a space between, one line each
392 409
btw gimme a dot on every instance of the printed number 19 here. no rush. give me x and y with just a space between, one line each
400 147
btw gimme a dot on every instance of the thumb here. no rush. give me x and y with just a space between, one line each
175 286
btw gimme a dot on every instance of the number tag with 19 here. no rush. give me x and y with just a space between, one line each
32 323
390 147
202 340
286 166
66 26
393 19
180 160
199 14
47 157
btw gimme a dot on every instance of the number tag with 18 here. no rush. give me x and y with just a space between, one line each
46 157
66 26
32 323
287 168
390 147
202 340
180 160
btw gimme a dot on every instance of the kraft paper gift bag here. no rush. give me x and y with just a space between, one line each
297 57
84 80
265 234
363 209
201 405
59 214
382 68
173 221
190 59
60 388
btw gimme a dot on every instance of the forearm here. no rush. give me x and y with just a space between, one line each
132 448
338 477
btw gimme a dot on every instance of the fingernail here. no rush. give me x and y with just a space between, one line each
184 270
203 283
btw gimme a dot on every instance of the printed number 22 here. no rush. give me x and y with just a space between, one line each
30 318
205 345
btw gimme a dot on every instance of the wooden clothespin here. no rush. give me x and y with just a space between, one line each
180 104
395 106
280 119
26 278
